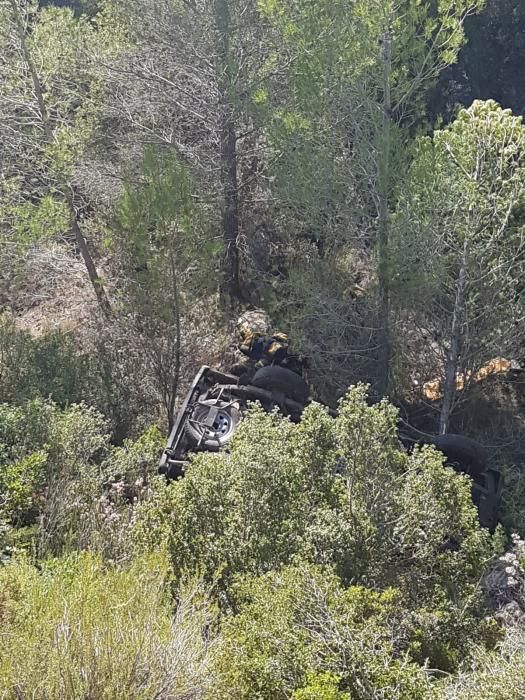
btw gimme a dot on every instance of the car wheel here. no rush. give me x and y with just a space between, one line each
487 499
212 423
275 378
464 451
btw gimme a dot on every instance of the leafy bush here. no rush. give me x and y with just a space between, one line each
337 492
45 367
154 517
298 633
77 628
19 484
53 367
57 467
93 490
285 489
24 428
495 675
134 459
513 498
23 460
45 453
106 507
321 686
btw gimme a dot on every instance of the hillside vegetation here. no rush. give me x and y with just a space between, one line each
357 170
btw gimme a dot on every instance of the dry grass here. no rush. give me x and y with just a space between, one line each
79 629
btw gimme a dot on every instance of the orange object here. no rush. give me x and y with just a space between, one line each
432 390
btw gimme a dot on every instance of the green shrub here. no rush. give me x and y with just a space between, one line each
57 467
93 495
335 491
155 517
20 483
24 432
54 367
340 493
79 438
513 498
79 629
48 367
298 633
136 458
24 428
324 488
321 686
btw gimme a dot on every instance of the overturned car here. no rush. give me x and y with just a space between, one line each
216 401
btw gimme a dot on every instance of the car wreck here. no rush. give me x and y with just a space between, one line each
216 402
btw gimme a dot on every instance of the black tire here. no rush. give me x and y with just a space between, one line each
220 434
469 454
275 378
488 499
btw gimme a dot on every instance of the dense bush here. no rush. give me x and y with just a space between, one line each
513 498
23 463
92 488
54 367
342 567
496 675
298 632
163 166
47 367
340 493
335 491
59 471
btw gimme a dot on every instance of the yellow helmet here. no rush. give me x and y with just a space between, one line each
244 330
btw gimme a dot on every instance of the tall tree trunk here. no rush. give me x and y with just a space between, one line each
230 213
456 331
68 197
385 348
172 395
82 245
228 139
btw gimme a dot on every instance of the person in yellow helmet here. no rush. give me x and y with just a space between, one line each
264 349
261 348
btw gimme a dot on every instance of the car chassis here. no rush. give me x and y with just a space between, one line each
225 391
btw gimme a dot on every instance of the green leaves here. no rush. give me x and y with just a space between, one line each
101 630
19 485
162 199
321 686
39 444
166 247
337 492
46 114
32 222
464 186
298 633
